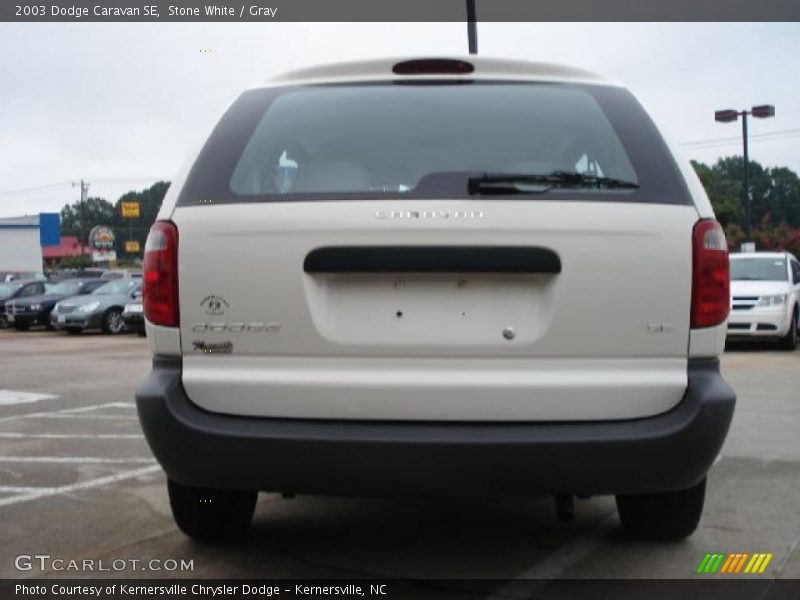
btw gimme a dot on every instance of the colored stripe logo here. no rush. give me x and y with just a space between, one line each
734 563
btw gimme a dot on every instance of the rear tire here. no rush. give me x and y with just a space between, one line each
74 330
21 326
211 514
789 341
662 516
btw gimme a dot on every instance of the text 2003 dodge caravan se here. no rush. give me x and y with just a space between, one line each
436 277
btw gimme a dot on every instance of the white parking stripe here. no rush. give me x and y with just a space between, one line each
89 460
82 416
36 493
11 397
540 574
18 489
70 412
71 436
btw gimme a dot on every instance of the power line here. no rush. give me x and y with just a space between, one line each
132 180
781 134
69 183
35 188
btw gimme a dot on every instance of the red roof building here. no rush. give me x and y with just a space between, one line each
69 246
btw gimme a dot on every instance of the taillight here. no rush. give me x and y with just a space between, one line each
160 274
710 277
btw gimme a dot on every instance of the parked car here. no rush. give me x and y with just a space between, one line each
120 273
508 287
765 297
102 309
6 276
64 274
32 311
133 316
18 288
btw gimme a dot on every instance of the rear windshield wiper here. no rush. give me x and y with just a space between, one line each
521 183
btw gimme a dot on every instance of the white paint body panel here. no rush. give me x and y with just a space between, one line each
588 344
436 389
607 338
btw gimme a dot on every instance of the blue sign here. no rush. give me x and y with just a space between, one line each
49 229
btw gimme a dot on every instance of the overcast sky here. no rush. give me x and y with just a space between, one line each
121 105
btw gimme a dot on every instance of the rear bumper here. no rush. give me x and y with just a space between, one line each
670 451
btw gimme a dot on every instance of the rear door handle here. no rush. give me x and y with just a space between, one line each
432 259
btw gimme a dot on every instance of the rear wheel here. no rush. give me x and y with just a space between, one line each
789 341
74 330
211 514
21 326
665 515
112 321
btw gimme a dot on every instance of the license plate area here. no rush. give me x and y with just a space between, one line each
432 309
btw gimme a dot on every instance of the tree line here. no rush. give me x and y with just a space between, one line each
774 200
774 193
78 218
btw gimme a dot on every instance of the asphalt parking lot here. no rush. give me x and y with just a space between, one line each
77 481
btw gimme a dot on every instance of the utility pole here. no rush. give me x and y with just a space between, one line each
472 27
748 211
82 233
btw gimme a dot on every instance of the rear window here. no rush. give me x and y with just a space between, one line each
426 140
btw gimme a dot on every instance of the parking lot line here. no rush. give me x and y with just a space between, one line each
44 492
553 566
74 412
84 416
11 397
75 460
71 436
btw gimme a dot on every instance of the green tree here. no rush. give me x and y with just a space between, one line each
149 200
78 218
783 200
725 195
774 193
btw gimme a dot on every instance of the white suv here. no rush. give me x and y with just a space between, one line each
436 277
765 297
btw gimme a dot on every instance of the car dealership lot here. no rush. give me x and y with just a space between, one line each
77 481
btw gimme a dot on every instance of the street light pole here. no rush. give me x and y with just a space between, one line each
748 214
729 115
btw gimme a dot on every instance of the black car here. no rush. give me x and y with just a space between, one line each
19 288
133 315
24 313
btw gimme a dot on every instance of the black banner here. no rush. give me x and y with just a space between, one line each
396 10
702 588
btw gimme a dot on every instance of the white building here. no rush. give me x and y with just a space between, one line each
22 238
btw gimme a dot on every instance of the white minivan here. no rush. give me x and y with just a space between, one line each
436 277
765 297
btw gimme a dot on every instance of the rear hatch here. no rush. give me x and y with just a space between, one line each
335 266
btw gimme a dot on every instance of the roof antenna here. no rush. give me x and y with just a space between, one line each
472 27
